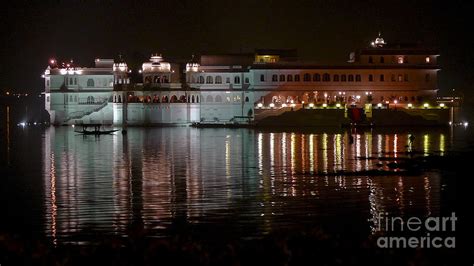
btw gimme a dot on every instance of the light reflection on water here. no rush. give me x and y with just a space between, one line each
252 181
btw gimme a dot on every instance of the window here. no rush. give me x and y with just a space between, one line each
75 98
209 99
218 80
427 77
70 98
393 78
90 83
90 99
382 59
47 99
246 99
47 82
75 81
237 80
262 77
274 78
427 59
405 77
343 77
247 81
289 78
371 60
306 77
70 81
316 77
209 80
297 77
371 77
358 79
400 59
326 77
218 99
282 77
227 80
400 78
201 79
382 77
335 78
351 78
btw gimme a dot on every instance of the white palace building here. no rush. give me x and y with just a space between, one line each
239 88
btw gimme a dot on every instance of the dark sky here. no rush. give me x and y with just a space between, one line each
34 31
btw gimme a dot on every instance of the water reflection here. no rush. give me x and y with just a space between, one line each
260 181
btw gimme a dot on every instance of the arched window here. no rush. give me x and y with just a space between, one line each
218 80
147 79
247 81
218 99
297 78
164 99
237 80
393 78
306 77
382 77
201 79
90 99
335 78
371 60
405 77
90 83
156 79
197 99
326 77
115 98
182 99
120 99
193 79
192 99
274 77
282 77
209 80
262 77
289 78
209 99
343 77
351 78
246 99
382 59
173 99
400 78
358 79
75 81
316 77
371 77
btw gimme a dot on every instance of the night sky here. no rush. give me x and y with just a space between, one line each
324 31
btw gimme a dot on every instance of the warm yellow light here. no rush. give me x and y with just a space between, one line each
426 105
395 102
325 105
259 105
283 105
272 105
410 105
379 105
441 105
338 105
8 93
311 105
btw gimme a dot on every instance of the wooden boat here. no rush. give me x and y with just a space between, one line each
96 131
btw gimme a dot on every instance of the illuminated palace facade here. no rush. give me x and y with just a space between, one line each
235 88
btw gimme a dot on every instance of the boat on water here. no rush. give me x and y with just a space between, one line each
96 130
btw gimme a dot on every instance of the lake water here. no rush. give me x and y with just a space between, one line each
234 182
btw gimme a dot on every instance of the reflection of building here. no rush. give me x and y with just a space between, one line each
229 88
